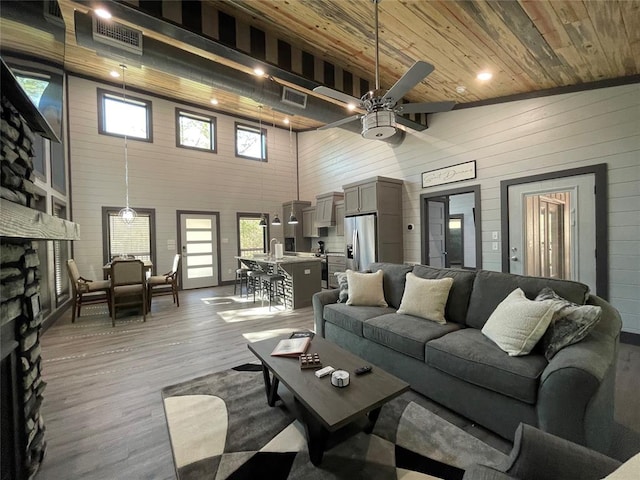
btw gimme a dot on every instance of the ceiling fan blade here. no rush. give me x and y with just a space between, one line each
336 95
410 79
339 122
426 107
418 127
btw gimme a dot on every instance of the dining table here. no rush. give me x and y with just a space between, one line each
148 268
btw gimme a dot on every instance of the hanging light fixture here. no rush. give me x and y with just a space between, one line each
263 219
292 217
127 214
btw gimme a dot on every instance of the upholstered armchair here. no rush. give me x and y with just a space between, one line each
128 286
538 455
165 284
86 291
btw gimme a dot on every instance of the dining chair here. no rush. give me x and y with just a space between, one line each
86 291
156 284
128 286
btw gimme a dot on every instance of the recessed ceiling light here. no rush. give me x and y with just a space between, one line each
258 71
114 74
286 121
103 13
461 89
484 76
351 107
214 101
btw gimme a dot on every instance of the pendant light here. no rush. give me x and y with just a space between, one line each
276 219
292 218
263 219
127 214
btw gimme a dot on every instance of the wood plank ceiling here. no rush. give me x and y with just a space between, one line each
528 46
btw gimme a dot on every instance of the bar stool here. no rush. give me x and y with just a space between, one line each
254 280
241 277
275 286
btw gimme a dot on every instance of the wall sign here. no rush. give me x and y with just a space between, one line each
454 173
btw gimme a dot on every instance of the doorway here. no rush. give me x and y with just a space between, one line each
555 226
200 248
450 235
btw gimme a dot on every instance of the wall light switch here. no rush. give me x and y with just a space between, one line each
494 245
307 271
495 236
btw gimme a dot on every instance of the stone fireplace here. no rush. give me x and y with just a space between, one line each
21 393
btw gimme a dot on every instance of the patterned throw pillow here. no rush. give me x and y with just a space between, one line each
570 324
344 286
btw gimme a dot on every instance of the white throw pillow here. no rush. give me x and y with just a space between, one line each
365 289
518 323
425 298
629 470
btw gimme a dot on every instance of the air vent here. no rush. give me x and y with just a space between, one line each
117 35
293 97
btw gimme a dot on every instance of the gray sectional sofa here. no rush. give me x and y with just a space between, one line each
457 366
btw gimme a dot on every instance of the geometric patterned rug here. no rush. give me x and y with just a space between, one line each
221 428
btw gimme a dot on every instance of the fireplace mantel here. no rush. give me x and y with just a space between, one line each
18 221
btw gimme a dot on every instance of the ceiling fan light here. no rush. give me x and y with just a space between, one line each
378 125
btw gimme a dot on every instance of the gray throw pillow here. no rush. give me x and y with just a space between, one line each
570 324
344 286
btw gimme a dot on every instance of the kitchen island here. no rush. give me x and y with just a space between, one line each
303 274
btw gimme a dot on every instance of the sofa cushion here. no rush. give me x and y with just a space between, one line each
570 324
405 333
425 298
470 356
517 323
456 309
490 288
351 318
394 278
365 289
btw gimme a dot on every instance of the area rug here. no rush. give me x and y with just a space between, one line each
221 428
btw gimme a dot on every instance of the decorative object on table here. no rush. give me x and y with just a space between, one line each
323 372
454 173
291 347
127 214
310 360
240 437
302 334
340 379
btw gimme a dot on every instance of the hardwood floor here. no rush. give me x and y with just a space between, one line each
103 411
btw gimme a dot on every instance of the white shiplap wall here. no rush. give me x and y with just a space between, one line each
507 140
168 178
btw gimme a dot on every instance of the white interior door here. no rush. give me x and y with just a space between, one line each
437 227
580 255
199 235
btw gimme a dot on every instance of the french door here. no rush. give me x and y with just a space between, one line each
199 248
552 229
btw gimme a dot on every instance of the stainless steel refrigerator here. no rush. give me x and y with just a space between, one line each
360 238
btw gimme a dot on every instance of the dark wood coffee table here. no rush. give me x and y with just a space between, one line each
326 408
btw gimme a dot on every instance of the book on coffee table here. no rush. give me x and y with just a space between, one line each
291 347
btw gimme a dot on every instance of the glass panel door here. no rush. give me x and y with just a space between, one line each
199 250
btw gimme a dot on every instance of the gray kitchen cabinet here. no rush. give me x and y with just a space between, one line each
335 263
381 196
325 209
340 218
293 234
309 227
373 196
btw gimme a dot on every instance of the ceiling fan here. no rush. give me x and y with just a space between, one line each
379 121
